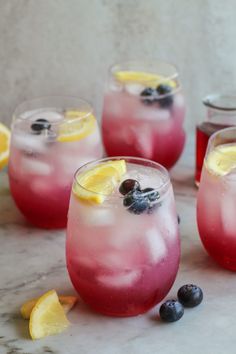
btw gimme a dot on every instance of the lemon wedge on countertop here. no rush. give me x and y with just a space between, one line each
67 303
47 316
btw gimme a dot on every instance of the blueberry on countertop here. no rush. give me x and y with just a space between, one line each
135 202
39 125
190 295
162 90
171 311
128 185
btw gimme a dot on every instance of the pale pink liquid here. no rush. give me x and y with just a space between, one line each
216 210
41 173
122 264
133 128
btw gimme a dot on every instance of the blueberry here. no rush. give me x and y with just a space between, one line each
164 90
135 202
151 194
171 311
148 95
40 125
148 91
190 295
178 219
128 185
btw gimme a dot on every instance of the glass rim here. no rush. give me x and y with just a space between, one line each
208 101
130 159
81 101
118 66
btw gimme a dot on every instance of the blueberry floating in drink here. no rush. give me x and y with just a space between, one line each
39 125
136 203
148 95
164 90
136 200
129 185
151 194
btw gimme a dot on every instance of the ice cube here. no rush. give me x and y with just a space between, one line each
151 113
101 217
96 215
111 260
120 279
87 262
115 86
167 220
41 187
179 100
34 166
155 245
134 89
29 143
142 140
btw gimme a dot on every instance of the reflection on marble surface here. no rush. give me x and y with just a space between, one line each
33 261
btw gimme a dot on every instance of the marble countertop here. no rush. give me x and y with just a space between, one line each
32 261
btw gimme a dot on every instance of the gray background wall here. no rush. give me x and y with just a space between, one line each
66 46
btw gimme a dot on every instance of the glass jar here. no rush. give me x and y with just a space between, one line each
221 113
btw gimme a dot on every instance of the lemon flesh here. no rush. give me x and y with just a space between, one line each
67 303
4 145
99 182
78 125
222 160
47 316
144 78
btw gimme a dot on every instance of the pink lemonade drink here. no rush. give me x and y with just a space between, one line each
123 244
143 112
50 138
216 202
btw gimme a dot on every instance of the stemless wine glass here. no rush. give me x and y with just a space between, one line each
216 201
143 112
122 256
50 137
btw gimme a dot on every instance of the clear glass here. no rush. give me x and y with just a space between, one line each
221 113
134 124
216 205
43 157
120 263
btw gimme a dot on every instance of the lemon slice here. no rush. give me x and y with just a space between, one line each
67 303
222 159
78 126
149 79
47 316
4 145
99 182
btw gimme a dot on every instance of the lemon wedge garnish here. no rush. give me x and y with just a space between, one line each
67 303
144 78
77 126
47 316
4 145
99 182
222 159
